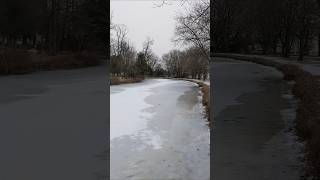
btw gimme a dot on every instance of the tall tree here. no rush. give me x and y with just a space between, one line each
194 27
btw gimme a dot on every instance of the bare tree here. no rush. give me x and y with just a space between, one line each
120 33
173 63
166 2
123 53
151 58
288 26
147 47
194 27
307 24
112 26
195 64
187 63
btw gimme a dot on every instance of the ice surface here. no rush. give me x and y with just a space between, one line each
158 130
127 115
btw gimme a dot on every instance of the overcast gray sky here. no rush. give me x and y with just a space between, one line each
144 19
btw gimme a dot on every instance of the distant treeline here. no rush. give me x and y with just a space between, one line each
189 63
127 62
54 25
268 27
192 29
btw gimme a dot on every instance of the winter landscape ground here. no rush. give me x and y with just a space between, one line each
158 130
53 125
253 134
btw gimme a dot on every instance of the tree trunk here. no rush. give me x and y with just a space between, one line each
301 50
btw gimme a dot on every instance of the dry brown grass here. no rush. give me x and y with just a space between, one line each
67 61
205 98
291 72
123 80
13 61
205 89
17 61
307 90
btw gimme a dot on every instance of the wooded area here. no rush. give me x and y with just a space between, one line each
266 27
192 29
54 25
52 34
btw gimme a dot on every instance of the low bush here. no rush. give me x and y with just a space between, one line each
69 61
291 72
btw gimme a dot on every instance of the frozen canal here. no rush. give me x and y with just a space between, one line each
158 131
253 135
53 125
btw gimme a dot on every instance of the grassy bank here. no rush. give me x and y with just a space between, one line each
17 61
307 91
205 89
124 80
